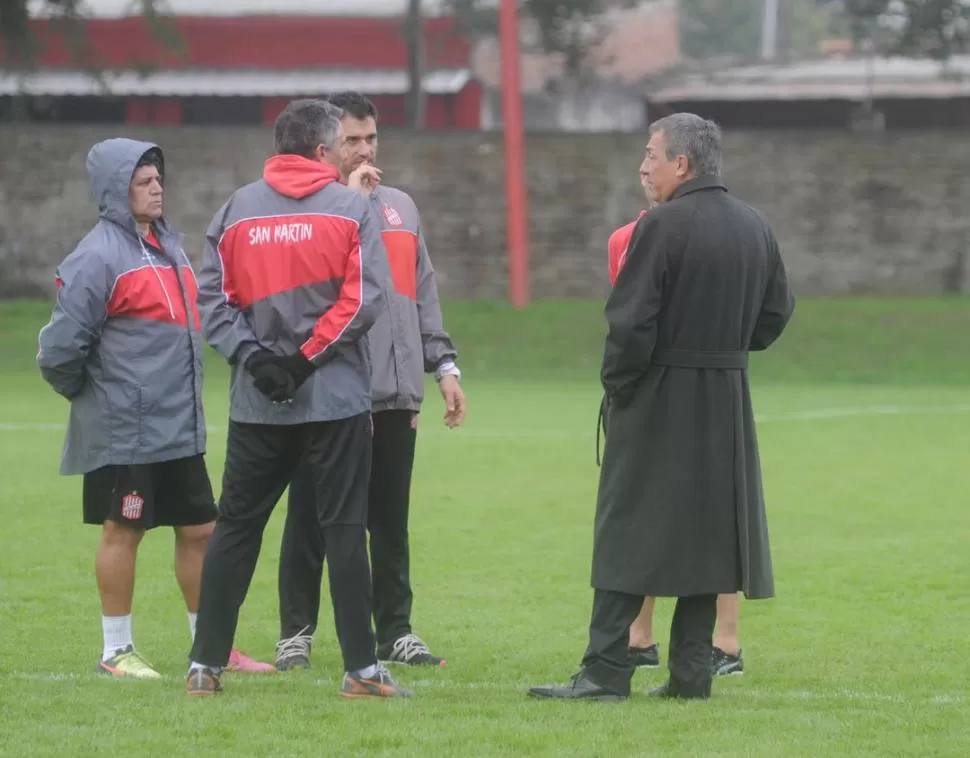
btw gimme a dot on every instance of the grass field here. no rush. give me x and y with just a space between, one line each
865 435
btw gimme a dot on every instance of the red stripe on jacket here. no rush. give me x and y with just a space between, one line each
153 293
331 325
617 247
402 258
262 257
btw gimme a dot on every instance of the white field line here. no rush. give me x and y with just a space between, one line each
736 692
814 414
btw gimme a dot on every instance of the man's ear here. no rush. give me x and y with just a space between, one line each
683 165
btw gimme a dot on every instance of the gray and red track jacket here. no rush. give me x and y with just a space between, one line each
123 343
292 262
408 339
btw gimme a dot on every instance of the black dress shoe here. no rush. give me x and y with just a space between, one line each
667 690
577 688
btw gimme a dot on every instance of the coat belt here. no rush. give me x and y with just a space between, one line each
728 359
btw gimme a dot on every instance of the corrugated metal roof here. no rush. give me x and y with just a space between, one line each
233 82
362 8
809 91
254 42
852 79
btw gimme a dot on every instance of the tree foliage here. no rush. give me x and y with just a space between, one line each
933 28
67 16
936 28
567 27
715 29
564 25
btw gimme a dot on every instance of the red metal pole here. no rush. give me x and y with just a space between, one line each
515 190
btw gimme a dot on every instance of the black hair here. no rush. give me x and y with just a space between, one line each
354 104
152 157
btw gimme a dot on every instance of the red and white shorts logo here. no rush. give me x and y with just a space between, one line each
392 216
132 506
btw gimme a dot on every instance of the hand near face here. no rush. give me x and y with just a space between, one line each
364 178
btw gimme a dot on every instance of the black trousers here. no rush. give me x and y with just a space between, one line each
260 463
389 496
607 661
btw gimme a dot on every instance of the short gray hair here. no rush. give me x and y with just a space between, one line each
697 138
304 124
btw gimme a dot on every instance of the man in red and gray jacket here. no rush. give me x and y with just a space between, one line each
292 280
407 341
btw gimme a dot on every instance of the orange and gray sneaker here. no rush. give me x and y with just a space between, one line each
127 662
203 682
240 662
381 684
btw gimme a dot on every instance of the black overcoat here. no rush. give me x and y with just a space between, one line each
680 509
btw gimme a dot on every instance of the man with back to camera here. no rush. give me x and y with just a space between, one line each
123 346
407 340
703 284
727 658
293 278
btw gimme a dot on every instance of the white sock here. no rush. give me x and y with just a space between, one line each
369 672
193 618
117 634
196 666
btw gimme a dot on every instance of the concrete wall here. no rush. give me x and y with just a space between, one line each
854 213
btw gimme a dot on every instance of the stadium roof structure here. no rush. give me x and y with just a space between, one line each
228 82
256 53
359 8
829 79
274 56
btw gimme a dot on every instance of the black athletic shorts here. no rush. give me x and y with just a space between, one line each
171 493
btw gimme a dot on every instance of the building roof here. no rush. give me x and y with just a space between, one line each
232 82
361 8
840 79
270 42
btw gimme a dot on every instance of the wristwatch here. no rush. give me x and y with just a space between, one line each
447 368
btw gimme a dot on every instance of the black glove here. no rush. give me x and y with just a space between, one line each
270 378
296 365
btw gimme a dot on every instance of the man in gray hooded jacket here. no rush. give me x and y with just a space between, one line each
123 346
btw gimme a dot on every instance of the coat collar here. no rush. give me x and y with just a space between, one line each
699 183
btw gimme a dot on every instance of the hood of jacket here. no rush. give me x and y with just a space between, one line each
110 166
297 177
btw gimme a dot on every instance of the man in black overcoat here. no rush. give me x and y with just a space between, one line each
680 509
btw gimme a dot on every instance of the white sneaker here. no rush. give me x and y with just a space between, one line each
294 652
409 650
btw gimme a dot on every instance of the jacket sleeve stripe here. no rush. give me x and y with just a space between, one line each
226 286
223 324
435 343
337 319
74 329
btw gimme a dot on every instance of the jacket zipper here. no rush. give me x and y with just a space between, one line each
151 262
188 325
